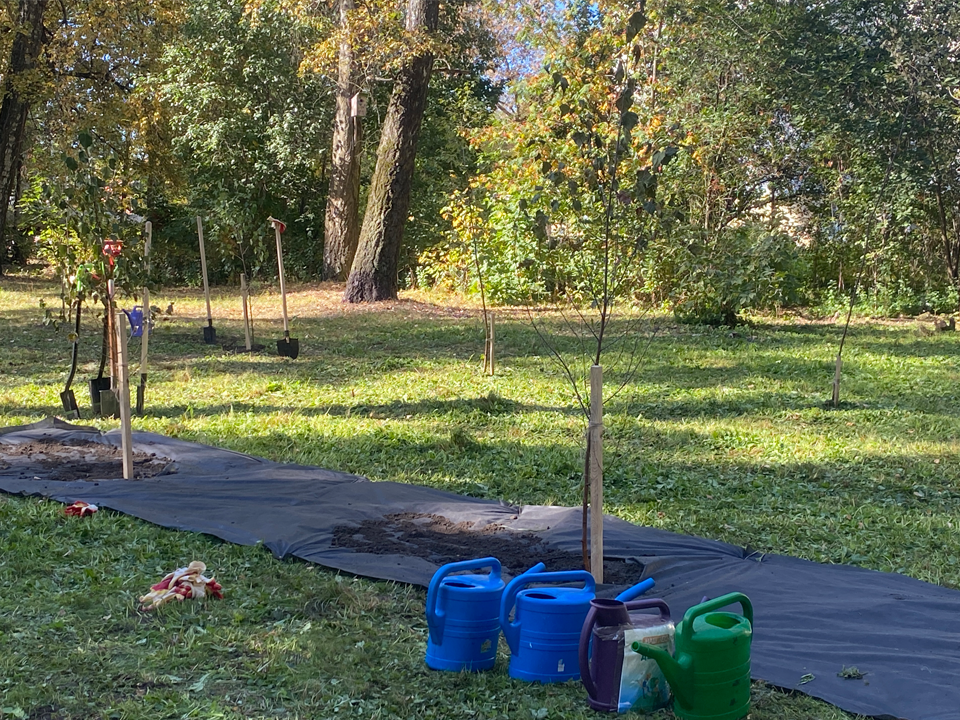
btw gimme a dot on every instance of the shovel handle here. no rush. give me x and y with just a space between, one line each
246 311
283 288
203 267
145 341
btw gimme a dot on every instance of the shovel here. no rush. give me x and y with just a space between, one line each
288 346
209 332
145 337
69 400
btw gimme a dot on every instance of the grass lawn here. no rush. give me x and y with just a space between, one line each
719 434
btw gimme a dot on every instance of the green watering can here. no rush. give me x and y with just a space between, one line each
710 675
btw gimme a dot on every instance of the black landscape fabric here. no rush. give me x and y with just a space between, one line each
811 620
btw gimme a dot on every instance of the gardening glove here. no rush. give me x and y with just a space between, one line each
182 583
80 509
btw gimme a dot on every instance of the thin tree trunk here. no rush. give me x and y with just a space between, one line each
373 276
27 45
951 256
342 222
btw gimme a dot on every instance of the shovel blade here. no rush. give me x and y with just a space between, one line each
210 335
109 404
97 385
70 408
288 347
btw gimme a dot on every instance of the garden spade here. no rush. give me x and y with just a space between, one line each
288 346
209 332
145 338
69 400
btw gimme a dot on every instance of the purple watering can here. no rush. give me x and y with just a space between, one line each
602 645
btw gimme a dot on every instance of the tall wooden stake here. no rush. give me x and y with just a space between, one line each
112 334
490 365
836 382
123 395
246 312
595 466
145 336
209 332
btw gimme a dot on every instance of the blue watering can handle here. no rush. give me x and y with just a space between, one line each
639 589
519 582
511 629
716 604
436 616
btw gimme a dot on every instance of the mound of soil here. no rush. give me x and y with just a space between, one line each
441 541
76 460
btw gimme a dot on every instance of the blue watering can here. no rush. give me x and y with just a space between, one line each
462 614
544 635
135 317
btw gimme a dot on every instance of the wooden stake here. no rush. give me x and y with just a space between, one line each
595 467
246 312
490 343
123 396
836 382
203 269
145 337
112 335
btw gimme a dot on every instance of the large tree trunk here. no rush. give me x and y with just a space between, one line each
27 45
342 222
373 276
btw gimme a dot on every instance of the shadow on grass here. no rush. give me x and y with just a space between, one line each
759 405
490 405
341 350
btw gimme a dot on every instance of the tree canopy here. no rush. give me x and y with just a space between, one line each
774 152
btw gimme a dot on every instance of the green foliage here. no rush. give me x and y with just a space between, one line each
251 136
814 123
88 207
445 163
713 279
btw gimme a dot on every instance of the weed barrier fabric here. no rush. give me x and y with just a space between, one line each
811 620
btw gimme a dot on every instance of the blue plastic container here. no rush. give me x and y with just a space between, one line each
544 635
463 616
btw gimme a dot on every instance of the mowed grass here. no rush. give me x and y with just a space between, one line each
720 434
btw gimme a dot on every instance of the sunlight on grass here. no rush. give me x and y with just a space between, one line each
723 434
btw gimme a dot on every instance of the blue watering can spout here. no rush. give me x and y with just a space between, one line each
636 591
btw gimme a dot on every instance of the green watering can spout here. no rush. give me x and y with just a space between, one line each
679 671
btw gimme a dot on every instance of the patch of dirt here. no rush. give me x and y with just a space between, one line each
77 460
441 541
